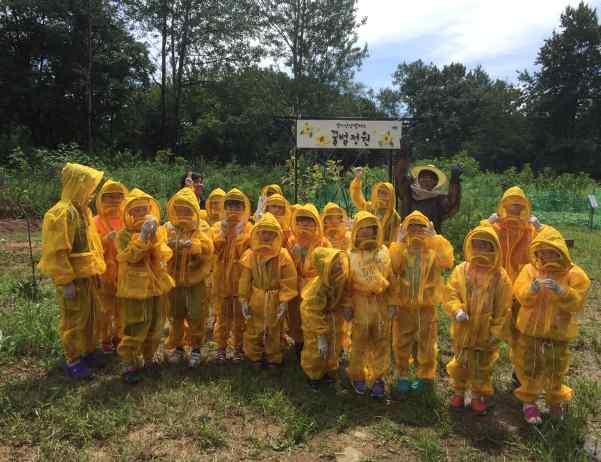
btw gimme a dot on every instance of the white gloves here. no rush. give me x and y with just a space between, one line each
535 286
534 221
402 235
282 308
461 316
553 286
347 313
245 310
187 243
148 229
493 218
322 346
69 291
392 311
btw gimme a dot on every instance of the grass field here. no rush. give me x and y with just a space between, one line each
234 413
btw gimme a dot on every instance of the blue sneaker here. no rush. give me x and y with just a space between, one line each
131 376
94 361
359 387
378 390
421 385
79 371
402 386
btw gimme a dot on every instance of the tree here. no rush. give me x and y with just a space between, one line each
563 98
317 41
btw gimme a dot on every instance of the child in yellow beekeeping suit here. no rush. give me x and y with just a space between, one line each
478 300
190 268
267 283
551 291
278 206
231 238
266 193
72 256
320 320
367 301
109 221
418 261
307 235
336 229
214 206
382 205
142 282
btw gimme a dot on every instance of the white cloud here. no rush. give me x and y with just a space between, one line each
467 30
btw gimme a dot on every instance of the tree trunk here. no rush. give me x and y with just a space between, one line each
164 12
90 141
183 52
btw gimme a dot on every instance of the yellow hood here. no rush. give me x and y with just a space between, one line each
307 210
514 194
267 223
278 199
135 198
365 219
271 189
184 197
237 195
218 194
109 186
550 237
323 259
79 183
333 209
391 206
486 233
415 218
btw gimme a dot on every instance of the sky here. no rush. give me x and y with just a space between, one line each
503 36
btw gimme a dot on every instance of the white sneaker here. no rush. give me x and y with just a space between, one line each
176 356
195 358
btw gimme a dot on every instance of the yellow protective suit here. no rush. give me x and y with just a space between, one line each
142 281
109 221
368 294
214 205
266 193
268 279
231 238
418 264
482 289
547 321
283 219
320 311
72 253
190 268
301 245
335 226
384 210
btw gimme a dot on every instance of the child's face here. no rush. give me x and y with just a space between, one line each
427 180
332 220
514 209
267 237
216 204
480 245
234 206
367 233
548 255
183 212
139 212
112 199
306 223
276 210
416 229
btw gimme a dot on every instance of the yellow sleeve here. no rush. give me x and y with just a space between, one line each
313 308
453 301
288 278
502 304
161 249
58 233
575 295
357 194
444 252
245 284
521 287
201 244
393 290
131 248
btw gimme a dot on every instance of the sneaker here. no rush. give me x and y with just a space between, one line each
329 379
378 390
238 355
314 384
359 387
557 412
94 361
195 358
131 376
421 385
457 401
108 348
532 414
478 405
402 386
220 356
79 371
298 348
176 356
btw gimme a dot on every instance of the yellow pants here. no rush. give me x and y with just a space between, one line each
343 333
76 326
263 335
293 321
311 361
370 354
188 313
109 317
470 368
142 327
228 321
416 335
541 366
